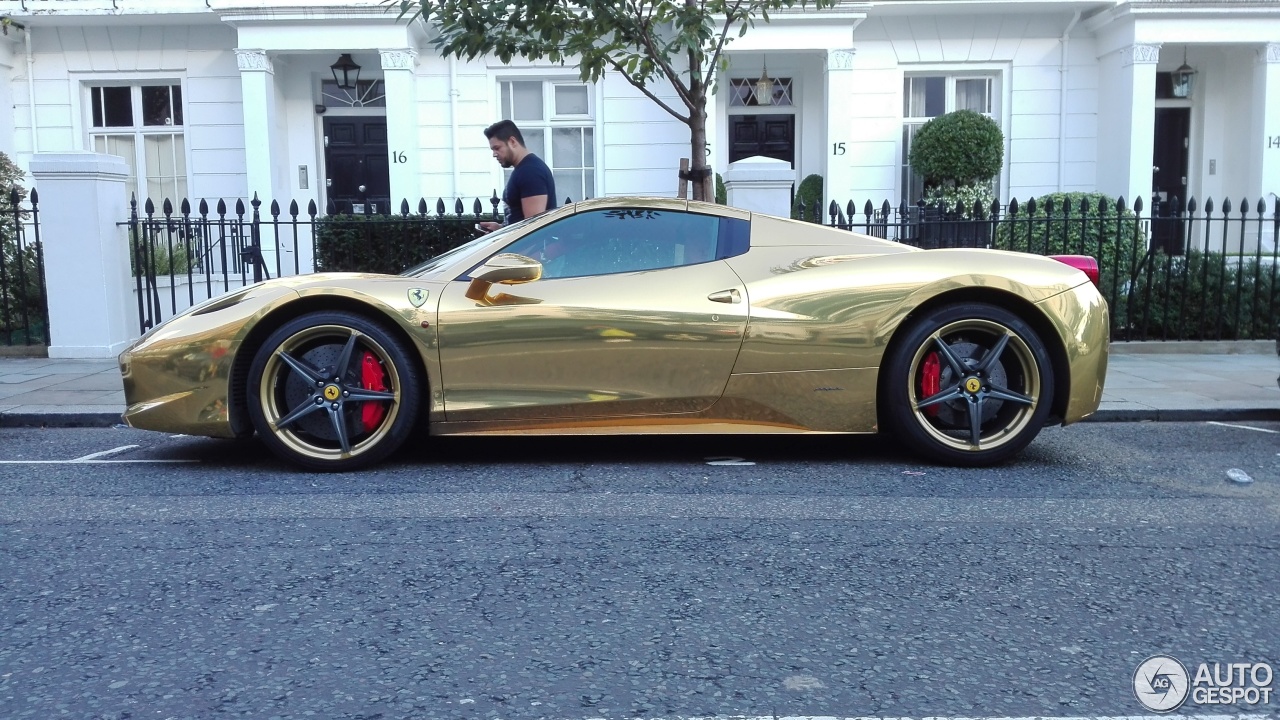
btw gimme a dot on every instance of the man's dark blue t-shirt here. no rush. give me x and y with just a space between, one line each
530 178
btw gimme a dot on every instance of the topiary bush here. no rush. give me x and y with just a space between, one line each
722 195
959 148
808 196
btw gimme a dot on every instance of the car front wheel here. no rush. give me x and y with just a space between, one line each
333 391
968 384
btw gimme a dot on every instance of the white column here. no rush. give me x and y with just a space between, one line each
263 160
402 126
1126 122
86 256
9 60
1265 176
839 181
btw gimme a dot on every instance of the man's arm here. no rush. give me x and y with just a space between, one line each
533 205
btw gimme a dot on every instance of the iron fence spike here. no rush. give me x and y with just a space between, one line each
222 206
185 207
204 206
293 209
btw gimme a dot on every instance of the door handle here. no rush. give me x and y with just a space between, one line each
732 297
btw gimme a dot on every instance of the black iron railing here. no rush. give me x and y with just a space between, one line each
24 306
1183 272
1190 272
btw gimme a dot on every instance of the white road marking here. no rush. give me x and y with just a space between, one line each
104 453
98 458
90 462
1243 427
1263 716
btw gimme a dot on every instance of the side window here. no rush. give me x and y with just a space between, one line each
603 242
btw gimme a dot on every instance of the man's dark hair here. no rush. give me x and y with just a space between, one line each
504 130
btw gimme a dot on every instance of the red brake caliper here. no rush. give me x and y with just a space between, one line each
930 380
372 377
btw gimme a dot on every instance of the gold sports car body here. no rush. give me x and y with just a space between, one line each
639 315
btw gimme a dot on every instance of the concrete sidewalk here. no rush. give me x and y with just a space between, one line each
1145 381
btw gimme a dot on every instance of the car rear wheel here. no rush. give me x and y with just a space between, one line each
333 391
968 384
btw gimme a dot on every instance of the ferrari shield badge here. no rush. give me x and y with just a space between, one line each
417 296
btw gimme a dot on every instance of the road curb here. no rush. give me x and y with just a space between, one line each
1185 415
59 420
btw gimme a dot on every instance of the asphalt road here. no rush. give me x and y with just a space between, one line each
150 576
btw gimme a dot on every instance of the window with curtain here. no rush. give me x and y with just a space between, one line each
143 124
557 121
925 97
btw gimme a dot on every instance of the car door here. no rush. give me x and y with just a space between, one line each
636 314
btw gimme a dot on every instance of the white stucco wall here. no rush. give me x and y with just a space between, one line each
10 57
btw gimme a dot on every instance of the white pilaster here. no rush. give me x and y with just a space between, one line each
1127 120
402 126
1265 175
840 112
263 159
86 256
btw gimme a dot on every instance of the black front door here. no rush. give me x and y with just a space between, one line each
771 136
355 160
1169 179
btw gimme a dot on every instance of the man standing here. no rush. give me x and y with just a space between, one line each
531 188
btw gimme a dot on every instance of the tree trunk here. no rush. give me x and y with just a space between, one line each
698 157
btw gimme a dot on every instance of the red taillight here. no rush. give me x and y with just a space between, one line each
372 377
1083 263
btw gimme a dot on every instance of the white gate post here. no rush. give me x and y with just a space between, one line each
86 256
760 184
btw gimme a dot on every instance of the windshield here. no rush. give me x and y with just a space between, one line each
439 261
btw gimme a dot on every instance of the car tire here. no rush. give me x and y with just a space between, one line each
333 391
945 395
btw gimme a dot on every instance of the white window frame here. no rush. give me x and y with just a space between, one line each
551 121
137 182
1001 101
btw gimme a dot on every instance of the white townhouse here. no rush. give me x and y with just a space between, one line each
338 101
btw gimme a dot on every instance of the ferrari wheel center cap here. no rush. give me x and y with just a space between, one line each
973 385
332 392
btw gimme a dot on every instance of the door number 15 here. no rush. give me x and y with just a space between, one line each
837 148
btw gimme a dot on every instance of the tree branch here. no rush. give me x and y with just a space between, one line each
724 35
646 38
640 86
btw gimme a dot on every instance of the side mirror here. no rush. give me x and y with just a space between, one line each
507 269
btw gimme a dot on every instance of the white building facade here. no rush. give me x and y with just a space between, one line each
209 99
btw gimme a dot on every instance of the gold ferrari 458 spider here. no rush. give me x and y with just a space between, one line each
639 315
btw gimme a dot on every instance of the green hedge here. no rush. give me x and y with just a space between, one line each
387 244
809 194
1079 224
1200 296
